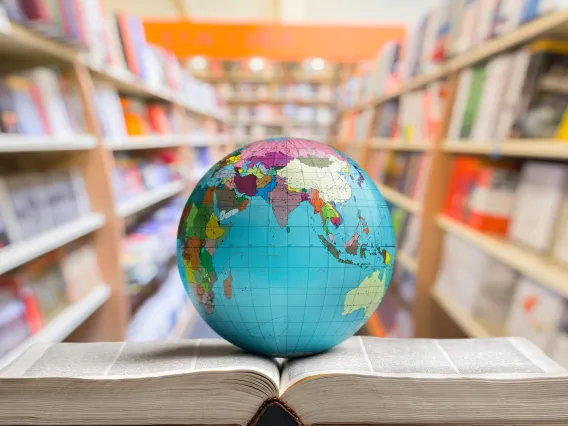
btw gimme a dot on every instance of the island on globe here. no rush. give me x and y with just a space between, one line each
286 247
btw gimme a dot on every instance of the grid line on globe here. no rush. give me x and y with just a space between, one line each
286 247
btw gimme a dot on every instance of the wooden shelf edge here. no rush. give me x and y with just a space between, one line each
398 145
22 252
24 143
408 262
149 198
528 263
400 200
469 325
64 323
146 142
531 148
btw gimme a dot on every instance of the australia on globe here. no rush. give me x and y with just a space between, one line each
286 247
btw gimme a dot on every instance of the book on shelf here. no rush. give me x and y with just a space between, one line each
560 239
500 374
480 285
535 313
538 201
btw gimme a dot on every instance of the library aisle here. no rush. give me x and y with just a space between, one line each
108 119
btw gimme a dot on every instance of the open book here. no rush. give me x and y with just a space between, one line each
363 380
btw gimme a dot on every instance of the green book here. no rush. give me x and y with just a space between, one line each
473 101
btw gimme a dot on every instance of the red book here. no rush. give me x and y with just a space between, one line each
38 102
158 119
463 178
127 42
35 10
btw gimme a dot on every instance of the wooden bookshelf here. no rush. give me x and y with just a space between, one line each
105 313
523 260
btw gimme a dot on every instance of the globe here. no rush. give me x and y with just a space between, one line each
286 247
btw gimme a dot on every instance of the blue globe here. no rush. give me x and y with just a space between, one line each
286 247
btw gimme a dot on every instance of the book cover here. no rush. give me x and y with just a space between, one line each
464 175
538 203
24 208
460 103
134 116
8 116
127 41
473 100
69 20
51 100
24 105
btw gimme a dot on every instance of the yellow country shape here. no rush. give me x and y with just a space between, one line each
213 230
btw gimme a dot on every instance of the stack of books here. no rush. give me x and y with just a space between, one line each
32 203
135 173
40 102
33 295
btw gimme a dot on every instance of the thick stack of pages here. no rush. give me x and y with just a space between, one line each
363 380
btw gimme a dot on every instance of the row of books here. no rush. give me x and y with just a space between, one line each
451 28
405 172
146 254
395 310
32 203
121 115
528 204
298 91
33 295
267 113
40 102
116 40
501 299
136 173
518 94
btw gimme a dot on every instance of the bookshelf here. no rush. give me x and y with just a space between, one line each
105 312
436 314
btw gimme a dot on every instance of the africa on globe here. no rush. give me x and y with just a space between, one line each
286 247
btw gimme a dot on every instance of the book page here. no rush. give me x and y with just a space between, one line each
499 358
110 361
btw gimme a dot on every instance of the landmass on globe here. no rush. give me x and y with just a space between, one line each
286 247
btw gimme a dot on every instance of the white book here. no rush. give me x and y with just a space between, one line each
537 204
468 26
486 21
481 381
510 14
8 214
47 83
560 245
494 89
535 313
512 99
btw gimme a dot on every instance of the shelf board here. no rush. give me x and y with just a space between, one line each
24 143
64 323
400 200
408 262
532 148
264 79
149 198
146 142
525 261
398 145
471 326
23 42
21 252
277 100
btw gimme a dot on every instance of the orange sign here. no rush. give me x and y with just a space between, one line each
272 41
